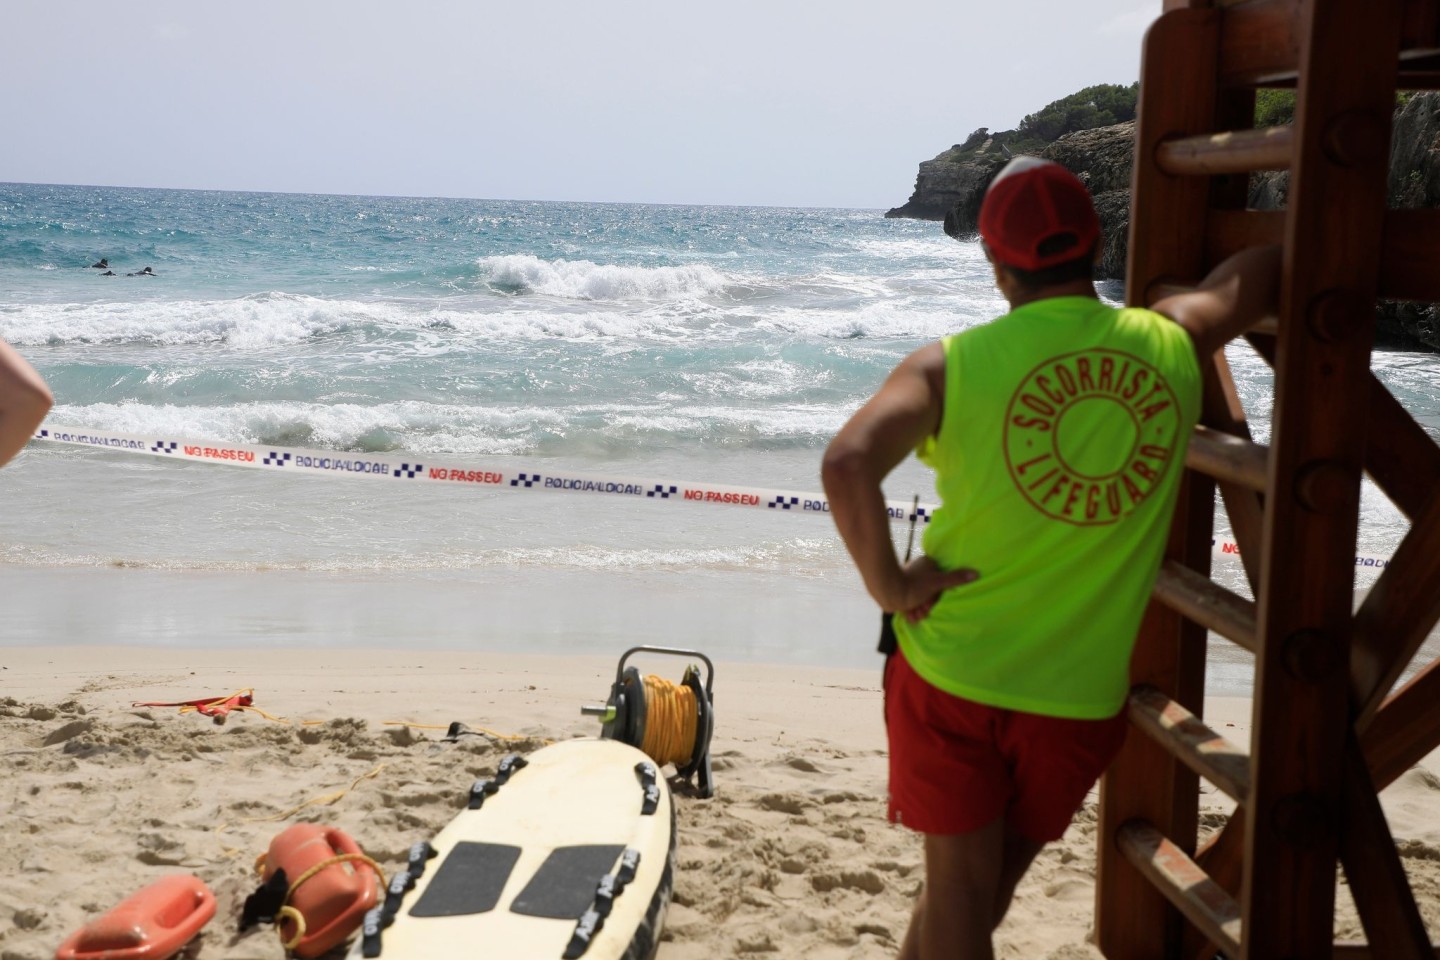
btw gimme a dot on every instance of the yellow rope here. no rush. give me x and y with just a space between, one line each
290 912
321 801
671 719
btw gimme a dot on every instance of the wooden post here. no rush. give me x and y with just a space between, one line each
1331 266
1167 241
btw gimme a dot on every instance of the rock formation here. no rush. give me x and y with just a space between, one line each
1103 157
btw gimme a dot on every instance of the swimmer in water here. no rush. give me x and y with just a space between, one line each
147 272
104 264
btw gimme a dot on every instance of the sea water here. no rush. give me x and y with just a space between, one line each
721 345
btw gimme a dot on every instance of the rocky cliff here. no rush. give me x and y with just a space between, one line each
955 182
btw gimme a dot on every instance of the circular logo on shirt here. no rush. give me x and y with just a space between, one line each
1090 435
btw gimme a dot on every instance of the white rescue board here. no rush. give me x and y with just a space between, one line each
566 853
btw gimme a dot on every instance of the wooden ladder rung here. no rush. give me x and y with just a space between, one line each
1203 901
1238 151
1228 457
1188 738
1207 603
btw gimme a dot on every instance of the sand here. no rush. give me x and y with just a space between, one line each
792 857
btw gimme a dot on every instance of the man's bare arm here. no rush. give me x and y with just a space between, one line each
1233 297
882 433
24 401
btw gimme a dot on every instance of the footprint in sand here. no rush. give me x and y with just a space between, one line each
782 803
866 881
68 731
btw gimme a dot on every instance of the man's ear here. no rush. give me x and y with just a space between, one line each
1003 278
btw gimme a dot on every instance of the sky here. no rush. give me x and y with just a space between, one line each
832 103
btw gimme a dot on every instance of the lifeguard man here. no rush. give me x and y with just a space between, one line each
1057 433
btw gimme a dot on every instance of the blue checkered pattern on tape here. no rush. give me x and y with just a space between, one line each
662 491
276 459
784 503
407 472
525 480
163 446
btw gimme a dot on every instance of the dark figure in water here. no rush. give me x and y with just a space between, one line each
147 272
104 264
109 273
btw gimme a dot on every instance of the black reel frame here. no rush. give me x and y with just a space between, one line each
626 713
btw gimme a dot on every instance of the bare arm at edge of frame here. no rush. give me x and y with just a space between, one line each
24 401
904 411
1240 291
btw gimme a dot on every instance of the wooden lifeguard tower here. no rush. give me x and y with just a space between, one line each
1327 730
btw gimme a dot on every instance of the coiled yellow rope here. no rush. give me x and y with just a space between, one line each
672 718
288 912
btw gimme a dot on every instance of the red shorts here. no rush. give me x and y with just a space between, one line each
956 765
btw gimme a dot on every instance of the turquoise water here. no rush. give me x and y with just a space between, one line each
717 344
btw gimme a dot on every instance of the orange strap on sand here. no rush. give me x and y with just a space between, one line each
217 708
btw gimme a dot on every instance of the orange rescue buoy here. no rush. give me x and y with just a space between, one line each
331 885
153 924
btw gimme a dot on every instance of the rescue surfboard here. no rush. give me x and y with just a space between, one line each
567 853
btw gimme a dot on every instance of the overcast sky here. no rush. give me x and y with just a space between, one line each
767 102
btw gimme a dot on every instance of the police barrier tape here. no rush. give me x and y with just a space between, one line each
297 460
412 469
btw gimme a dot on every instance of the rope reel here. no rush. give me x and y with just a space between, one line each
672 723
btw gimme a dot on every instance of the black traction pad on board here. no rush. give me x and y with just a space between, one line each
564 886
469 880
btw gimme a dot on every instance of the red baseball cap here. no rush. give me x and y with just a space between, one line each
1037 214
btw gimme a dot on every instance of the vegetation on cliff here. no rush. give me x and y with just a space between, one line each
1098 106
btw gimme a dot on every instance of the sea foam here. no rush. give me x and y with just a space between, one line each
584 280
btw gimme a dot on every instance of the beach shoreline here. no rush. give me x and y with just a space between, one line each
791 858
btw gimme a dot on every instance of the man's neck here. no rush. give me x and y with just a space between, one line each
1075 288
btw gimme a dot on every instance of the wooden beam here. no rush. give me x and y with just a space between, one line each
1336 209
1409 243
1419 29
1399 455
1245 508
1177 71
1227 457
1410 266
1405 729
1187 737
1383 898
1207 603
1133 920
1230 231
1223 859
1212 910
1260 40
1397 615
1236 151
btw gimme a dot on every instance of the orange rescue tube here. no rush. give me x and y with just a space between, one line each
151 924
332 883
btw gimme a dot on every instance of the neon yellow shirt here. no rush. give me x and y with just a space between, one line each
1057 463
